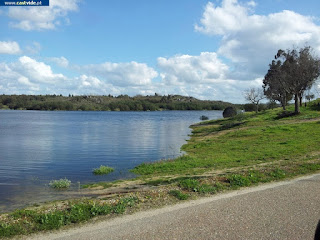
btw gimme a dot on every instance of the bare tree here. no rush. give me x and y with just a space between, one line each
254 95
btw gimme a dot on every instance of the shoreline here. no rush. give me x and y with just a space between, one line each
168 182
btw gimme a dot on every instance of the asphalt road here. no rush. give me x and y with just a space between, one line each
284 210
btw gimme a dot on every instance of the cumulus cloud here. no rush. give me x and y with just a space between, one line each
42 18
37 71
28 75
230 17
122 74
180 69
9 48
250 40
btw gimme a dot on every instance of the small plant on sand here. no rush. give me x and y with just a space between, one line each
102 170
60 184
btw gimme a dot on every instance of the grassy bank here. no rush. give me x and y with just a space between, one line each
245 140
222 155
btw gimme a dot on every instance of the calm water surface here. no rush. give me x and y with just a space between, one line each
37 147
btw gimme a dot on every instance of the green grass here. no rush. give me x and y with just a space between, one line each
179 195
102 170
60 184
254 139
29 221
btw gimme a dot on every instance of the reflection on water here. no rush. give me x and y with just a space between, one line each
36 147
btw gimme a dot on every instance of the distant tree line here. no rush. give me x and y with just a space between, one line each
107 103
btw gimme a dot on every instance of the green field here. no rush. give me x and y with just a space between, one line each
246 140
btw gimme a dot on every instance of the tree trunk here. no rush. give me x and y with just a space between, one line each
257 107
284 103
300 96
296 104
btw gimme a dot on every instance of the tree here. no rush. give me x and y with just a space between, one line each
254 95
299 69
274 84
310 96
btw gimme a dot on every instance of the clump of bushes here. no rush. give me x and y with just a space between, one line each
285 114
203 117
102 170
60 184
229 112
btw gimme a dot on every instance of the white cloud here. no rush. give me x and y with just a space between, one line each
9 48
36 71
42 18
92 85
230 17
28 76
205 68
250 41
122 74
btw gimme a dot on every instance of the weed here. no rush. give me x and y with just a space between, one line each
256 176
60 184
102 170
278 174
179 195
190 185
207 189
195 186
9 230
237 180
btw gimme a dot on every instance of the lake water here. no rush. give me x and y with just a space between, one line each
37 147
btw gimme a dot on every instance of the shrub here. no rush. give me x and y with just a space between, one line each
285 114
61 183
249 107
203 117
229 112
102 170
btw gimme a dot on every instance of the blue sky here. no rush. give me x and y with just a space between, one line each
209 50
